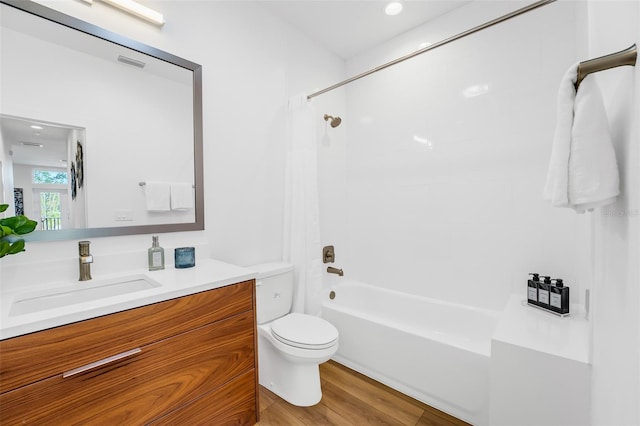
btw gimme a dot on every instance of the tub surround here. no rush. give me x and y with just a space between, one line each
540 367
540 331
206 275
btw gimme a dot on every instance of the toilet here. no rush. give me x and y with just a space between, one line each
291 346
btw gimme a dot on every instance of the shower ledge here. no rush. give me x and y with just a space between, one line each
531 328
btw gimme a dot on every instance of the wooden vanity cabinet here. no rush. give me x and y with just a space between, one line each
190 360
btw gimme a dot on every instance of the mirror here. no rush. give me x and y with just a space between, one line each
100 135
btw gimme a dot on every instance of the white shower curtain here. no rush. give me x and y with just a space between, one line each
301 215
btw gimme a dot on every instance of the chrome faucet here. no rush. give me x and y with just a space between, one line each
85 260
332 270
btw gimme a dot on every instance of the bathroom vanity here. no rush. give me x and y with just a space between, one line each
189 359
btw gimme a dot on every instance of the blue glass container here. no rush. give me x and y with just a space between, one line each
185 257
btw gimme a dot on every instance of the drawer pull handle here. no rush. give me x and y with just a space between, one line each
100 363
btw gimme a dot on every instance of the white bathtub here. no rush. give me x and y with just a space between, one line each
434 351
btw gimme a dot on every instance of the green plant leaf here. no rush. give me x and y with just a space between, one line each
9 228
19 224
12 222
4 248
26 227
5 230
16 247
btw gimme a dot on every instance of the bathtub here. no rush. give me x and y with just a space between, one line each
434 351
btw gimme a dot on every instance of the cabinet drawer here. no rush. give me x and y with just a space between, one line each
162 377
234 403
32 357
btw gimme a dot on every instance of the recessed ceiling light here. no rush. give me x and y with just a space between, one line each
36 127
393 8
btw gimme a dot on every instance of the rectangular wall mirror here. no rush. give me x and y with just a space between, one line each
100 135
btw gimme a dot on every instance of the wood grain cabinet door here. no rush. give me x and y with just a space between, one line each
37 356
231 404
148 382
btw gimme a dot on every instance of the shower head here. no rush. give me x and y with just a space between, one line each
335 121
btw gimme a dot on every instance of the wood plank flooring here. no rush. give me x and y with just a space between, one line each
350 398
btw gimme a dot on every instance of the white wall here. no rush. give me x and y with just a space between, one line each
445 191
614 26
252 62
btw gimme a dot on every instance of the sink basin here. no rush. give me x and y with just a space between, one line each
79 292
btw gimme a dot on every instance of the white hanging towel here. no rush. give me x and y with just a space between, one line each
181 196
583 173
158 196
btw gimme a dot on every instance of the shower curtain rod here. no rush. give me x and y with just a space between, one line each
493 22
624 57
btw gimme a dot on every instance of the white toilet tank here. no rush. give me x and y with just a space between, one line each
274 290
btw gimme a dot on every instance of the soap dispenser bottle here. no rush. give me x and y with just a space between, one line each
532 289
559 297
543 292
156 255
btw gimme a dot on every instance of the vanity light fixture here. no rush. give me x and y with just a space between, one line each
393 8
138 10
32 144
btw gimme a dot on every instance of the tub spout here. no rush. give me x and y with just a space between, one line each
332 270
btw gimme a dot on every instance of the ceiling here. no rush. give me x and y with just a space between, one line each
351 27
46 146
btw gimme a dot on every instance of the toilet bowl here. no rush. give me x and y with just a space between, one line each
291 346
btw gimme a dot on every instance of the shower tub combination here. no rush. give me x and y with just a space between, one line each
434 351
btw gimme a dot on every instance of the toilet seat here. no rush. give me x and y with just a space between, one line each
304 331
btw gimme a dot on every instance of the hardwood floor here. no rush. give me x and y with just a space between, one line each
349 398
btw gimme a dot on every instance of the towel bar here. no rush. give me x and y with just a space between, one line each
624 57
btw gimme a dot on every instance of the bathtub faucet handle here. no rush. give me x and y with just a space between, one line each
328 254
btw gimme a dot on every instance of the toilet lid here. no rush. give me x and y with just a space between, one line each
304 331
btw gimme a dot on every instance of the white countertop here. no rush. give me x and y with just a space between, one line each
541 331
206 275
